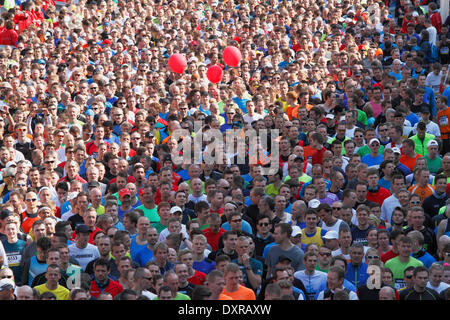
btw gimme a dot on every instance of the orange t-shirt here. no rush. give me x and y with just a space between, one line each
422 192
27 222
224 297
409 162
243 293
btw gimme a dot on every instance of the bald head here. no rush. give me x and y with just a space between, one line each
25 293
387 293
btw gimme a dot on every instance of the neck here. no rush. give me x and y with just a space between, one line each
310 272
13 239
199 256
51 285
232 288
403 259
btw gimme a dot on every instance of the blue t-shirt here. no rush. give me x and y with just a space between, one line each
135 248
371 161
204 266
143 256
245 226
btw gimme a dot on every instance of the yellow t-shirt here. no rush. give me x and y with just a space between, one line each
60 292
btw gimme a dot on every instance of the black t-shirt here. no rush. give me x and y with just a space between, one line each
213 255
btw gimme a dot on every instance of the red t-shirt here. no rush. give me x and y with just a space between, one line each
198 278
91 235
378 196
388 255
213 238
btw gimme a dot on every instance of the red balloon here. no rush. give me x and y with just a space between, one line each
177 63
214 74
232 56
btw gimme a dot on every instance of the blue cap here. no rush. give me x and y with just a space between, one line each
41 61
89 112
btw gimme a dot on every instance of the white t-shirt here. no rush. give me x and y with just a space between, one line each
67 215
164 233
442 286
84 256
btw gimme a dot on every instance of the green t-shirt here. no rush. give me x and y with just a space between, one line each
362 117
158 226
151 214
179 296
323 270
398 268
271 190
434 165
364 150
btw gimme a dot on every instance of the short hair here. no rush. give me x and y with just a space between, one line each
338 270
285 228
420 269
102 262
221 258
274 289
232 267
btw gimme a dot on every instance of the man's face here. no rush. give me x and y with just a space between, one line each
104 246
230 242
217 285
233 278
123 266
363 217
333 281
324 255
356 255
53 275
417 218
53 257
404 249
311 263
39 231
421 279
101 273
82 239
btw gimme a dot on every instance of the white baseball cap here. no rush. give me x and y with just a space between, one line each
432 143
296 231
314 203
331 235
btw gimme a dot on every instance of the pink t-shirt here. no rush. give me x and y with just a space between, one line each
376 109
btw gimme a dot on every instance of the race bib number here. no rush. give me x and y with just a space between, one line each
443 120
14 259
399 283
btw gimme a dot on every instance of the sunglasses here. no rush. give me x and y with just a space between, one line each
409 276
264 224
21 130
327 254
236 220
6 277
336 208
30 200
373 257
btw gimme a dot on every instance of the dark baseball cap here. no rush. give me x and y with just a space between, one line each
93 184
82 228
5 213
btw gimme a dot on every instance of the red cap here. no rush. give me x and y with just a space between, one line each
123 192
107 41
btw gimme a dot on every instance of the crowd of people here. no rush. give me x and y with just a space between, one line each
352 97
